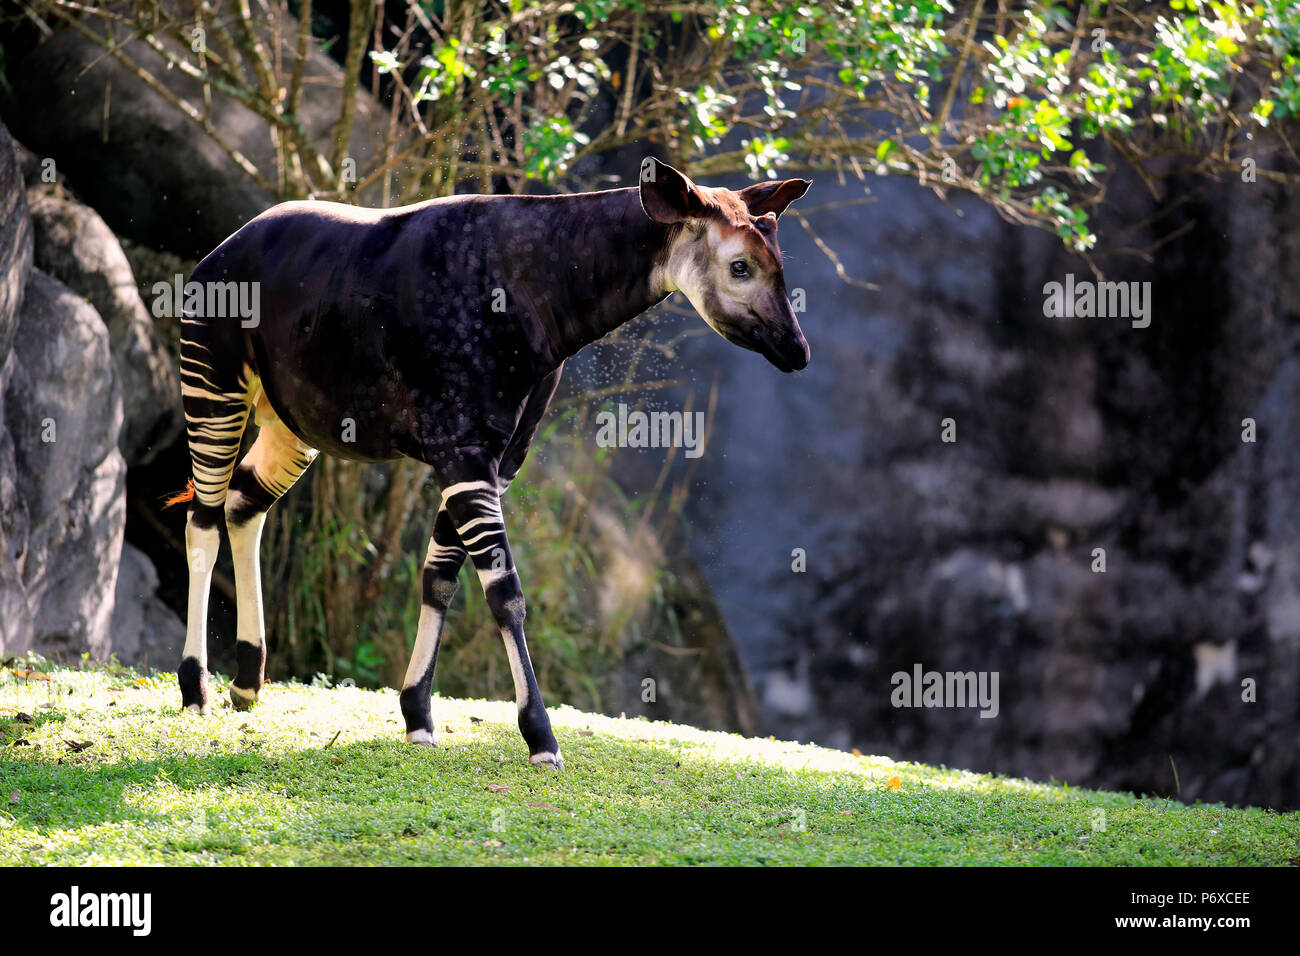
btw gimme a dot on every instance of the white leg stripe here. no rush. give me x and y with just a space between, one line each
439 551
516 670
478 537
492 519
490 576
452 491
426 642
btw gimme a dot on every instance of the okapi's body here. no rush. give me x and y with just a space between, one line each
438 332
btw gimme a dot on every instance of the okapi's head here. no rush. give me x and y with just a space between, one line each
722 254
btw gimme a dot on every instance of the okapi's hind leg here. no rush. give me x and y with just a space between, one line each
216 400
475 510
202 541
276 460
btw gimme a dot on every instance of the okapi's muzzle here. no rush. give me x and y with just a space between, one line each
785 348
791 354
782 342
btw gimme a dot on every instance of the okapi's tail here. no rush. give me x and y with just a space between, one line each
180 497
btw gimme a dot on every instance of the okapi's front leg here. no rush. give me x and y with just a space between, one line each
441 570
475 509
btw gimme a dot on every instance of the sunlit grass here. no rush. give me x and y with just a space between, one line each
322 776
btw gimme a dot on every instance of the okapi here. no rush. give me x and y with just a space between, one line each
438 331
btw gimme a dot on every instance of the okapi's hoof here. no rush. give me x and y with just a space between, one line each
548 760
422 737
242 699
193 680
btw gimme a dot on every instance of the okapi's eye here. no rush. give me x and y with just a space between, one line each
740 269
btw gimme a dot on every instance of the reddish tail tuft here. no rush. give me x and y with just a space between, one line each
181 496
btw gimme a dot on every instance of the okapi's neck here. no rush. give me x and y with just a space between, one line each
599 268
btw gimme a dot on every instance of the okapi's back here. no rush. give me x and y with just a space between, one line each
374 330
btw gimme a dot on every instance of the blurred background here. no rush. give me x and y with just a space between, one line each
829 537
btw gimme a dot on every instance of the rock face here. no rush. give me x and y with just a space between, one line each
76 247
980 554
63 530
15 268
15 241
62 477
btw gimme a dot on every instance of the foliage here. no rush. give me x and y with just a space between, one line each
314 776
1010 101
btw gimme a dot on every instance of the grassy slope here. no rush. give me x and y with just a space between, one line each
276 786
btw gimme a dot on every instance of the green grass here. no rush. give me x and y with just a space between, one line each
315 775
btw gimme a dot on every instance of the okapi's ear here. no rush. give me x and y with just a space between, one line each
762 198
668 196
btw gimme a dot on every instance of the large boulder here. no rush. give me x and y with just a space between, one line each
15 614
62 477
15 269
64 525
75 246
